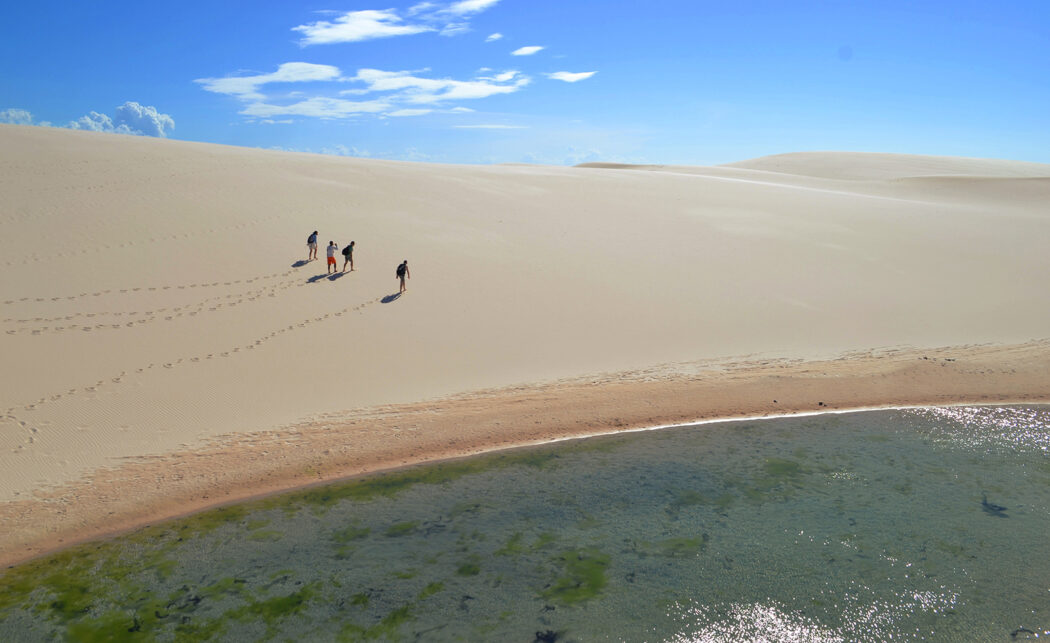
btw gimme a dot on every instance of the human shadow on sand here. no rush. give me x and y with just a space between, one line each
390 298
300 263
336 275
316 278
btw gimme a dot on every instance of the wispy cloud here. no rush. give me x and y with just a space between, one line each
525 51
356 26
489 126
316 107
413 89
571 77
494 37
392 93
464 7
410 112
247 87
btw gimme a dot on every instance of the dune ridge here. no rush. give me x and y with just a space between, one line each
156 309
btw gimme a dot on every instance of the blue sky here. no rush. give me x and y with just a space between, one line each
538 81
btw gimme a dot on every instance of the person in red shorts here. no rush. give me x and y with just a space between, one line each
332 248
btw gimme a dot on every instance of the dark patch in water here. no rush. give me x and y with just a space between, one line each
998 511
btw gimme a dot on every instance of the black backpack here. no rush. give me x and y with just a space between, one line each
401 271
346 251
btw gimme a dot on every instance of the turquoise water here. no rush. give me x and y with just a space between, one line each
928 524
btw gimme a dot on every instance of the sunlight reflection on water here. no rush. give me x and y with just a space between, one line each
1003 428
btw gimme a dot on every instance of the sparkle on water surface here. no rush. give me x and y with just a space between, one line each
923 524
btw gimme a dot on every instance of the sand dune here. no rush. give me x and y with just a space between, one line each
154 298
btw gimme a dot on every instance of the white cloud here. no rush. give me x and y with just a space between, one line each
129 118
471 6
317 107
525 51
16 117
422 7
494 37
461 110
410 112
415 90
489 126
343 150
571 77
356 26
247 87
143 119
455 28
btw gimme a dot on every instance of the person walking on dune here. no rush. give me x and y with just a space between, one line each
331 256
311 246
348 257
402 274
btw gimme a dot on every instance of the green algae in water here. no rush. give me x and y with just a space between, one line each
685 533
581 577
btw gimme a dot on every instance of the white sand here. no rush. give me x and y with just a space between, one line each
149 300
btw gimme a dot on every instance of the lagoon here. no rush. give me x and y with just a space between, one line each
915 524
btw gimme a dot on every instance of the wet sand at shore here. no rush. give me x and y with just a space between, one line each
146 490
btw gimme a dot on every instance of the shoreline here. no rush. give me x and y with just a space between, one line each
241 467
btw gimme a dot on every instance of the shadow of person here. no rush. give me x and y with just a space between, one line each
316 278
300 263
390 298
334 276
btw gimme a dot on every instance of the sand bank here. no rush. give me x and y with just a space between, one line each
157 314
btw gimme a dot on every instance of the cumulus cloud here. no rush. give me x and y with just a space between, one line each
525 51
494 37
355 26
143 119
15 116
247 87
571 77
129 118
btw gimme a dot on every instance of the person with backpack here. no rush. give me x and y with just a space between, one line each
311 246
331 256
348 257
402 273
